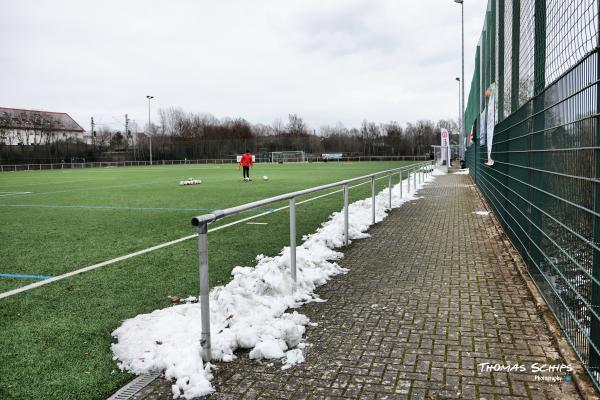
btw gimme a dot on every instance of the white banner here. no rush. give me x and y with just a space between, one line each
445 143
482 125
491 120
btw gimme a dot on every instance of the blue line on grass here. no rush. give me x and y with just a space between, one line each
25 276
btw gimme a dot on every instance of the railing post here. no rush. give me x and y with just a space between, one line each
293 239
415 178
373 197
204 302
400 183
408 181
346 238
390 190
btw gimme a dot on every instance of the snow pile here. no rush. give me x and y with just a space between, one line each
190 181
250 311
462 172
481 212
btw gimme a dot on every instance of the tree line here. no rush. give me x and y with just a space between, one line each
178 134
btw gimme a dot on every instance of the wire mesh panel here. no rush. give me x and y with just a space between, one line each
571 34
544 184
526 51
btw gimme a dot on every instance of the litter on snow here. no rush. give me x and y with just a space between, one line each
251 311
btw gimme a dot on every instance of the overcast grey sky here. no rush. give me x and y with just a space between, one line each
326 60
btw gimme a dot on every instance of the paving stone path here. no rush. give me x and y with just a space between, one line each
429 297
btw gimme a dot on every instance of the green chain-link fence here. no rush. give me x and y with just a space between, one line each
544 184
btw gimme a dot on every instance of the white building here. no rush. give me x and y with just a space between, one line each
29 127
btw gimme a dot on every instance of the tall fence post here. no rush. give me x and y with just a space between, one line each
500 48
204 301
373 198
346 238
536 157
516 43
594 357
293 239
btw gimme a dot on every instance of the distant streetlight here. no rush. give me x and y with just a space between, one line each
461 139
459 103
149 135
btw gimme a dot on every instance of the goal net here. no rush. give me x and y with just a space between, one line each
287 156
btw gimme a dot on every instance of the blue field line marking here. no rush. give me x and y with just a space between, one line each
25 276
118 207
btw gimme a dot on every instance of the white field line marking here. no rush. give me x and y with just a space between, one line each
257 223
161 246
6 194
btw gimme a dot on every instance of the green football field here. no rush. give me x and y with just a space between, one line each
56 338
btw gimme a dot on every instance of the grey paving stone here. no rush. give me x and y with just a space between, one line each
448 297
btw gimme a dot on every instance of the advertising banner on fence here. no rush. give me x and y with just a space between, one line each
491 120
482 124
445 143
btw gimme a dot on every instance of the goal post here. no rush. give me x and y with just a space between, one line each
287 156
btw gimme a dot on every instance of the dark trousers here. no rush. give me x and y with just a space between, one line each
246 172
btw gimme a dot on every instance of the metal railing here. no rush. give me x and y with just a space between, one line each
105 164
417 172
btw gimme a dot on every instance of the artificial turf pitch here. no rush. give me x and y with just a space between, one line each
55 340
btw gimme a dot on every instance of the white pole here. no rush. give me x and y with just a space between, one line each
346 238
149 135
293 239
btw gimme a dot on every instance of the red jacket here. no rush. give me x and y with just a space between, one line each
246 160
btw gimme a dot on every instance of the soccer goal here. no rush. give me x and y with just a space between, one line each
287 156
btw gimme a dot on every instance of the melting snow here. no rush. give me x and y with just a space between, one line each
250 311
462 172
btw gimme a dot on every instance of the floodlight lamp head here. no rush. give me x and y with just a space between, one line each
458 79
149 97
458 1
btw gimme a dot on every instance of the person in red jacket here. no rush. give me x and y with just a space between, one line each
246 163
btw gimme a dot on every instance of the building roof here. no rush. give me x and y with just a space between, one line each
15 118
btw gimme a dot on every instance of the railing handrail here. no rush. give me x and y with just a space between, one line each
218 214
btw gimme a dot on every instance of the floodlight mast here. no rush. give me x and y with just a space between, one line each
148 133
461 136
